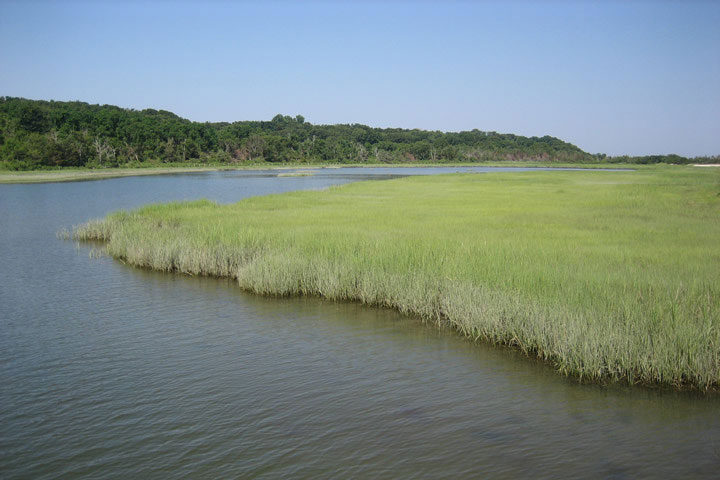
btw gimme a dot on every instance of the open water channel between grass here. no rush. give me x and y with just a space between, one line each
108 371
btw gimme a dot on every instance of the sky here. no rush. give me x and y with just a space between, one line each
615 77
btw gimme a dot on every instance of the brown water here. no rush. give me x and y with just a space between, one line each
108 371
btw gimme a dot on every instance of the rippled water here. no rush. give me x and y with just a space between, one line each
108 371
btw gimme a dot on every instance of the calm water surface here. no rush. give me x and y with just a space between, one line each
108 371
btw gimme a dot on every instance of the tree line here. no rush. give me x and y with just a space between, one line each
41 134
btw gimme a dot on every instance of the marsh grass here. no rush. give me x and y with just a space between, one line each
611 276
296 174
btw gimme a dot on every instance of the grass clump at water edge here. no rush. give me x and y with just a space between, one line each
608 275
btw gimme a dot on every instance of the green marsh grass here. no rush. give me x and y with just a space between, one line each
611 276
296 174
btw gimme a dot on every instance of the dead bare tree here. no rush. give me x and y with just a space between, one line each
361 153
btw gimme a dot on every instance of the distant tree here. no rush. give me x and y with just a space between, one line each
34 119
38 133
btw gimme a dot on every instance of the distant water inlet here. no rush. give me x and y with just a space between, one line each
112 371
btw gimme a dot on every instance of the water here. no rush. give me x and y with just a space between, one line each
107 371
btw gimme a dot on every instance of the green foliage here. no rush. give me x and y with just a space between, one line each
608 275
40 134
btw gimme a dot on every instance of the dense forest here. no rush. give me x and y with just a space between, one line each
42 134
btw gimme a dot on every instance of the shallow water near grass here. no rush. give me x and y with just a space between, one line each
111 371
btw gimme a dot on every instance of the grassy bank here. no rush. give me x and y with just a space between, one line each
82 174
608 275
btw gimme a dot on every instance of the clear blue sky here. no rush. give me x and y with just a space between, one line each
609 76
